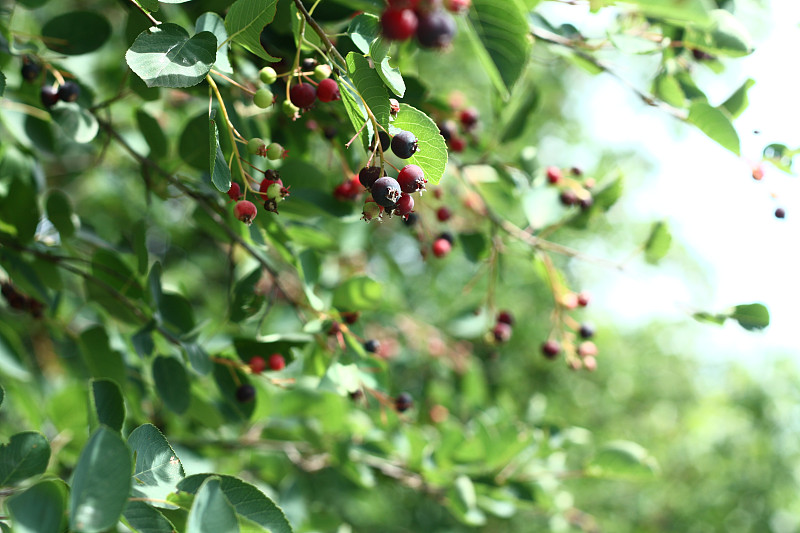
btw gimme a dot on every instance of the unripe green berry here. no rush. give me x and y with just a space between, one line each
274 151
322 72
274 191
268 75
254 145
263 98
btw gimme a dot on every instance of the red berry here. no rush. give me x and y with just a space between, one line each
441 247
403 402
350 317
505 317
457 144
245 211
587 348
411 179
398 24
501 332
277 362
551 348
469 118
328 90
443 214
405 205
257 364
457 6
234 192
271 177
303 95
553 175
403 4
583 299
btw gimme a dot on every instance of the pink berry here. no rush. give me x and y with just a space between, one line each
501 332
441 247
328 90
553 175
303 95
398 24
583 299
587 348
457 6
245 211
277 362
257 364
405 205
234 192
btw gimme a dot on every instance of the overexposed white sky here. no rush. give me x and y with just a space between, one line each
715 210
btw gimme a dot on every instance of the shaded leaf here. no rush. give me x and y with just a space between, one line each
751 316
360 293
166 56
363 30
103 362
725 36
157 468
245 21
658 242
76 32
107 406
211 511
218 168
76 122
59 212
26 455
153 134
146 519
172 383
622 459
40 508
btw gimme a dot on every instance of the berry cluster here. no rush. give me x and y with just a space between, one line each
580 353
246 392
21 302
433 26
573 190
50 95
502 327
459 128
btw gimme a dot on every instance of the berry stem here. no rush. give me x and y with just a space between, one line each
228 123
146 13
229 80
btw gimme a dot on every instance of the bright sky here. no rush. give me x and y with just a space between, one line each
716 211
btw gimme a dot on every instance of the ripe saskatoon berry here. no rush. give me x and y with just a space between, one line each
551 348
309 63
469 118
441 247
328 91
347 190
403 402
411 179
505 317
372 346
277 362
448 129
780 213
436 29
257 364
49 96
385 140
263 98
586 331
30 70
576 171
457 144
553 175
386 191
245 211
501 332
586 203
410 219
404 144
583 299
275 151
234 192
303 95
446 235
356 395
443 214
568 197
368 176
69 92
268 75
398 24
245 393
405 205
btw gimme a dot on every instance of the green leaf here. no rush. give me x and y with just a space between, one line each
780 155
431 155
716 124
658 242
738 101
165 56
245 21
20 208
59 212
363 30
220 173
248 501
172 383
26 455
2 395
668 89
475 246
246 302
107 406
211 511
153 134
198 358
725 36
103 362
100 482
109 268
176 311
142 340
695 11
140 246
158 469
359 293
40 508
193 143
356 113
146 519
214 23
502 31
751 316
372 90
76 32
703 316
76 122
11 351
2 84
391 76
463 502
622 459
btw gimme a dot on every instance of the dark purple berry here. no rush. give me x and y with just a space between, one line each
303 95
586 203
505 317
411 219
69 92
368 176
386 141
386 191
448 129
372 346
49 96
245 393
446 235
404 144
551 348
411 179
309 63
586 331
356 395
403 402
568 197
436 29
330 132
30 70
780 213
